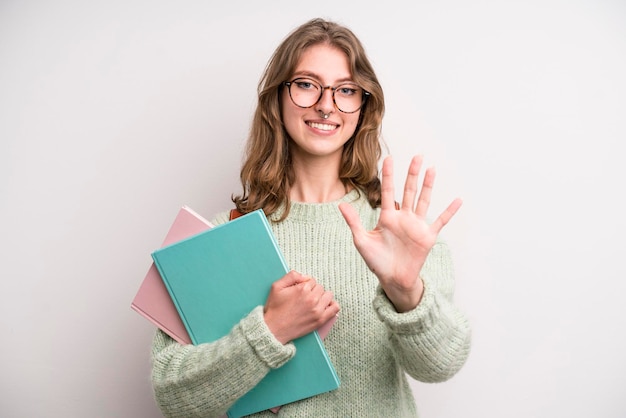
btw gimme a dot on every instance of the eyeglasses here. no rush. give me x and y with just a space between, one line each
305 93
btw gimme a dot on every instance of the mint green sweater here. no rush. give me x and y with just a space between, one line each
372 347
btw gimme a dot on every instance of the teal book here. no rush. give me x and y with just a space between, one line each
217 277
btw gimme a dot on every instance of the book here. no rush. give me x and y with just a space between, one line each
152 300
217 277
322 332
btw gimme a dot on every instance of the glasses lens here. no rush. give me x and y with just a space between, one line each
305 92
348 97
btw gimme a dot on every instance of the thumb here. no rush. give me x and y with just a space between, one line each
291 279
351 218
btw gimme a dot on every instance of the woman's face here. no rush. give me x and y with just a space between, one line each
312 135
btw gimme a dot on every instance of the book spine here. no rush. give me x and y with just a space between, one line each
173 296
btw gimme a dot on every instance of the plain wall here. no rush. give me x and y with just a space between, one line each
114 114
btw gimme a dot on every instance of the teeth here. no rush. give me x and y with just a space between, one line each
322 126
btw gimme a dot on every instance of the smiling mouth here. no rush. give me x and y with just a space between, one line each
322 126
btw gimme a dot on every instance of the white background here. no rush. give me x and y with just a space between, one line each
114 114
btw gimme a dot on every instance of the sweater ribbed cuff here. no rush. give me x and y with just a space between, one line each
261 339
415 321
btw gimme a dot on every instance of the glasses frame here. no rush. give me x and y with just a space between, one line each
366 94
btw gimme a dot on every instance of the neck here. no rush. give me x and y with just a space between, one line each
317 182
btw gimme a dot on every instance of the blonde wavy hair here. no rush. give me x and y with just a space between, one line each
267 173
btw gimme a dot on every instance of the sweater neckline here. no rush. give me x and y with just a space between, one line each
318 212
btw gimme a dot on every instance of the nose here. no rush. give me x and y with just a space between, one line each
326 103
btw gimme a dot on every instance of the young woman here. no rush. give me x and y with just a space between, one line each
312 166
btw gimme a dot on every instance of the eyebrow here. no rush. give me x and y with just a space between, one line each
317 78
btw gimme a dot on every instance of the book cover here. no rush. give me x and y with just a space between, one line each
217 277
152 300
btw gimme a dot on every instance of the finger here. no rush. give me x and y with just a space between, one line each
447 214
423 202
326 299
333 308
386 185
317 291
410 184
309 285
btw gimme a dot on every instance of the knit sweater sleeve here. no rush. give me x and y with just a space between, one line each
206 379
431 342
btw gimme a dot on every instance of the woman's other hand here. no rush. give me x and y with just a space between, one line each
296 306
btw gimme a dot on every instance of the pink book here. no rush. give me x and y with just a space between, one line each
153 301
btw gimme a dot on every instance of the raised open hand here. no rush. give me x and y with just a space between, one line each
396 249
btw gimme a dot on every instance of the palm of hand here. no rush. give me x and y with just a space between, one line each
396 249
